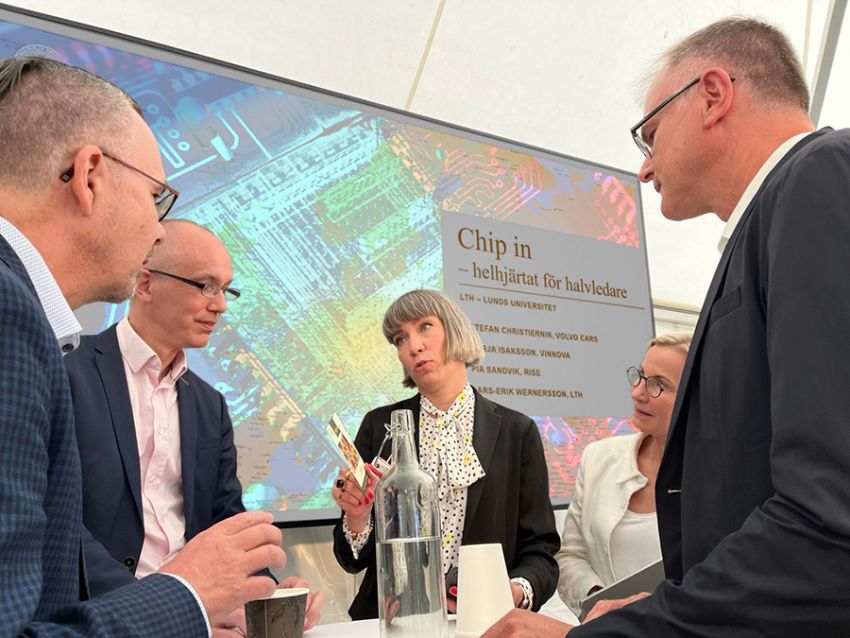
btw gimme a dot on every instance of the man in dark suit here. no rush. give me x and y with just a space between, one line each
156 441
753 494
147 400
76 224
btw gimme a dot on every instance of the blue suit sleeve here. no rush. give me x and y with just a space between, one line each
40 501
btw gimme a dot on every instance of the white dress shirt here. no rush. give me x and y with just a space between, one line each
157 422
754 186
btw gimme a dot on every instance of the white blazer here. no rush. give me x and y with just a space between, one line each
608 475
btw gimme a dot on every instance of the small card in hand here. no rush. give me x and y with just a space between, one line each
346 447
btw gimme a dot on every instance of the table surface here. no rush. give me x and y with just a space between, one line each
369 628
357 628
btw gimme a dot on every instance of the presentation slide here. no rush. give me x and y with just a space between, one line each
331 208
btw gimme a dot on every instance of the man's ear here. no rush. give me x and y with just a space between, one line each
143 285
716 92
88 178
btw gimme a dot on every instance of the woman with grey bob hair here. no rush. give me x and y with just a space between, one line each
492 481
462 342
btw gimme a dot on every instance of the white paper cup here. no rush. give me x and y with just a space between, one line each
483 589
281 615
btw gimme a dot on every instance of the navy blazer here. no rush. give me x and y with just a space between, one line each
112 501
41 498
753 495
510 505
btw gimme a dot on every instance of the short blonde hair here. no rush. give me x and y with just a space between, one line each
462 341
679 340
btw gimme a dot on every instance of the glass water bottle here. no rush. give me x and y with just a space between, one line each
411 587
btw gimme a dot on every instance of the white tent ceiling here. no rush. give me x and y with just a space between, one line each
560 74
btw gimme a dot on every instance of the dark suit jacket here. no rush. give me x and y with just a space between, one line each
509 506
112 502
753 493
41 499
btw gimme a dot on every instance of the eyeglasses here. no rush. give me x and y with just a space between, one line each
163 202
654 388
643 146
208 290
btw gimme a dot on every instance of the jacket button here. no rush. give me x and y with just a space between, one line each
129 563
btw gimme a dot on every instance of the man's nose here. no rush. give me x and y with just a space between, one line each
646 172
160 234
218 303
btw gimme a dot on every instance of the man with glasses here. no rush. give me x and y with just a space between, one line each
753 495
76 225
156 441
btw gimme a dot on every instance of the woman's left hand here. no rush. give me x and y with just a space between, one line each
315 599
517 593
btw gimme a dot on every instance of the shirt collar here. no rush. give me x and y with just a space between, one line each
629 465
754 185
65 325
138 354
464 399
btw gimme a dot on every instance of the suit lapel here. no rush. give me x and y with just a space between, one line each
699 331
487 425
188 444
110 367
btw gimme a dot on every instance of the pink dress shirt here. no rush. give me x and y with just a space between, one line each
156 417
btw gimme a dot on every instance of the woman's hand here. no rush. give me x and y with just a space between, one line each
356 504
517 594
315 599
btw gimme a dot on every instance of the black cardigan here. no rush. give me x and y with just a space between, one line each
510 505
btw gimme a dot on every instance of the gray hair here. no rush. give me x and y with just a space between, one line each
679 340
751 51
462 341
48 110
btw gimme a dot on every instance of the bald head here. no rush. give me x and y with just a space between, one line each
183 241
170 309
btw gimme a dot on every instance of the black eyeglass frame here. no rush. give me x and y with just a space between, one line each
643 147
165 200
208 290
642 377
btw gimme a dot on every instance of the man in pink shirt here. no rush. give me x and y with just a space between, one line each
156 441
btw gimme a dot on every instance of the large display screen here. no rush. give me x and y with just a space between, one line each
331 208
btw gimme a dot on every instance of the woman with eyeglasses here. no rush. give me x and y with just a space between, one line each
611 530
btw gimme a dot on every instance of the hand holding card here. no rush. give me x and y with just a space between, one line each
346 448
